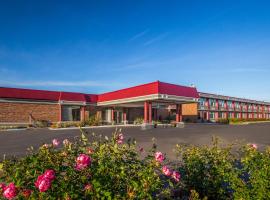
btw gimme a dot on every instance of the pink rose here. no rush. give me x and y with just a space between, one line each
39 179
10 191
49 174
88 187
45 146
82 161
159 157
120 138
176 176
55 142
43 185
255 146
166 171
44 181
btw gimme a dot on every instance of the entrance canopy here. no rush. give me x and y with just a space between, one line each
158 92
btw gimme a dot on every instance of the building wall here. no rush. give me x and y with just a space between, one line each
213 109
20 112
190 112
190 109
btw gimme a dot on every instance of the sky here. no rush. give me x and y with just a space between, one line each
96 46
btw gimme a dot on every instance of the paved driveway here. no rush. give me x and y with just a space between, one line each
16 142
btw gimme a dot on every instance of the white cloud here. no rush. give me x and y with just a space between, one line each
138 35
155 39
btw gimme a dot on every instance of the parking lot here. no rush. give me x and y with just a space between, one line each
16 142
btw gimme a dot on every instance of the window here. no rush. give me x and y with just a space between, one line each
202 102
212 102
212 115
221 103
229 103
71 113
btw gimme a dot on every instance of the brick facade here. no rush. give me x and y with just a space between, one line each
20 112
190 112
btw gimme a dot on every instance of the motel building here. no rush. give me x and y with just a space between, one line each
156 101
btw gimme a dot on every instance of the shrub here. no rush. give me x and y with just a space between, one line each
42 123
102 169
110 168
139 120
217 173
93 121
236 120
222 121
69 124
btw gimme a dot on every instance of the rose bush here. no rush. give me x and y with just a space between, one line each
116 168
225 172
105 168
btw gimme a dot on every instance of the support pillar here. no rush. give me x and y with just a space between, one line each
216 107
216 115
150 112
178 113
155 114
82 113
125 115
226 109
146 107
60 113
147 116
241 111
207 115
112 115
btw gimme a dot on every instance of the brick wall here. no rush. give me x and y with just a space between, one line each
19 112
190 112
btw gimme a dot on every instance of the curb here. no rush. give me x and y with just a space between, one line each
95 127
16 129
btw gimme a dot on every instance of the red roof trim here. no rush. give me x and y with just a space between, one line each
44 95
177 90
156 87
135 91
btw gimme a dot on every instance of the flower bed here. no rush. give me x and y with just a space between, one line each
115 168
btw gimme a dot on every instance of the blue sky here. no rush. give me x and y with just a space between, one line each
95 46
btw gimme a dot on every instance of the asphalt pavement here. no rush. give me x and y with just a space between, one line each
17 142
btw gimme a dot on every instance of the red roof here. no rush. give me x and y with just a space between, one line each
177 90
16 93
148 89
140 90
